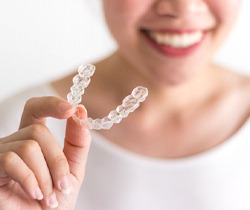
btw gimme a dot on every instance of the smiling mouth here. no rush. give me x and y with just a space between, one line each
176 40
175 43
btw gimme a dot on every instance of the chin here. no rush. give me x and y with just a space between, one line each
174 76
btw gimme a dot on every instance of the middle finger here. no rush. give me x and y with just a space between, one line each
53 154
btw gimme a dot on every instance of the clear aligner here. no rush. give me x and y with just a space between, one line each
129 103
80 82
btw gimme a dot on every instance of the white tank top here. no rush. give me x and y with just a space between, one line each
218 179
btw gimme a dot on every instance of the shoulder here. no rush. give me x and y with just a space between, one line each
237 86
232 100
246 92
232 79
241 83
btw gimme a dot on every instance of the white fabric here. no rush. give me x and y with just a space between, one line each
116 179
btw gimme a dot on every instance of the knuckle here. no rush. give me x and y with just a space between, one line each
29 147
29 103
8 159
37 130
50 101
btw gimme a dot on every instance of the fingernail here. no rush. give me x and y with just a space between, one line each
64 106
38 194
81 112
64 184
52 201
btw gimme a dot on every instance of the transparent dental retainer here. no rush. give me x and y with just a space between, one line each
129 103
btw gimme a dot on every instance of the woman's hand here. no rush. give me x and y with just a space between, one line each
35 173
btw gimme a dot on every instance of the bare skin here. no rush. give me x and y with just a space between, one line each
39 185
173 122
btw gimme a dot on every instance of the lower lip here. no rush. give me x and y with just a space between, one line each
174 52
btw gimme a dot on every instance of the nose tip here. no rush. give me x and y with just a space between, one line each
177 8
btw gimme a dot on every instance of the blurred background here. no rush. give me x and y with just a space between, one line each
43 40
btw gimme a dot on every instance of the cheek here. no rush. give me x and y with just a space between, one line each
225 11
116 13
123 6
117 8
119 5
122 17
124 11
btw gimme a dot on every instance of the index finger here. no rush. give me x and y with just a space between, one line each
36 110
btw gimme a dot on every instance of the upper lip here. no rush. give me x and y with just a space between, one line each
173 31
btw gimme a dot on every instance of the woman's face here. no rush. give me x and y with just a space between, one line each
169 40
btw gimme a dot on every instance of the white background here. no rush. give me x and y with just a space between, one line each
42 40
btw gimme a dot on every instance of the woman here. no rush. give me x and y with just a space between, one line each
185 147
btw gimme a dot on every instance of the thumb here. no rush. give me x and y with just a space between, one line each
77 143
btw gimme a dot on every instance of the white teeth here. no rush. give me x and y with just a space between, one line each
177 40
